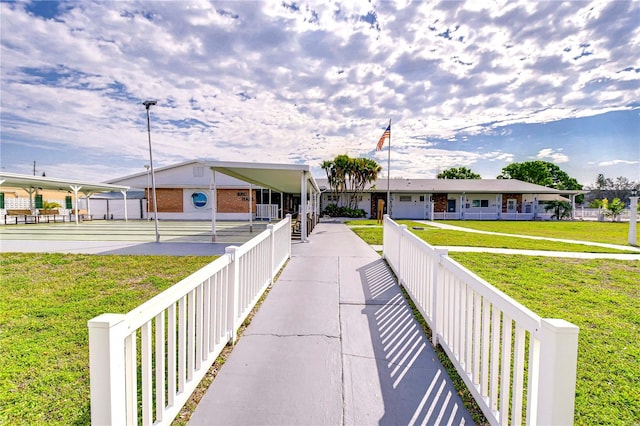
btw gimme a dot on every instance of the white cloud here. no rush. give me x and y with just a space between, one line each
555 156
302 81
616 162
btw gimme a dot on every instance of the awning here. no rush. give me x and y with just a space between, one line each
32 183
285 178
278 177
14 180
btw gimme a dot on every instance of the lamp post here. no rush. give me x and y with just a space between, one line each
633 215
146 166
147 105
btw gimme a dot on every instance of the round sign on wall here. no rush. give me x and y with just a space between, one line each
199 199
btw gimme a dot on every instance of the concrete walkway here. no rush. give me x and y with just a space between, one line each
334 343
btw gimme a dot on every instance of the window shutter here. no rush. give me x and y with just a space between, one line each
38 201
67 202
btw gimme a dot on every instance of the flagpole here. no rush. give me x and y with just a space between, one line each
389 173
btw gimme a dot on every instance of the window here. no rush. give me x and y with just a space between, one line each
480 203
422 198
405 198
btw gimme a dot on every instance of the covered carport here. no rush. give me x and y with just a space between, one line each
31 184
283 178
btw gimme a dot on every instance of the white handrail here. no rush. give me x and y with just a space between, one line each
485 332
173 339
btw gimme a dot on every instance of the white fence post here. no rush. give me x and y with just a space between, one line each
437 276
557 377
403 230
107 369
272 253
288 216
233 286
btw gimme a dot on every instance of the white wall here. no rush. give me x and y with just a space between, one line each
189 175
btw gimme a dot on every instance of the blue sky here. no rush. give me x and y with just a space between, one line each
475 84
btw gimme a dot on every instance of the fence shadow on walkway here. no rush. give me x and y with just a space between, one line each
415 387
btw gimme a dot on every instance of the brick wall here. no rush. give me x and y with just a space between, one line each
169 200
229 200
505 197
235 200
440 202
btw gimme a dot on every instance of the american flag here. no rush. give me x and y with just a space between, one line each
385 135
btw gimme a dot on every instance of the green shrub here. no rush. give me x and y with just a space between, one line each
343 211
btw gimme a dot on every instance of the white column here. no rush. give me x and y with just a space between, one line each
633 218
87 195
124 194
214 204
75 195
250 208
431 206
303 207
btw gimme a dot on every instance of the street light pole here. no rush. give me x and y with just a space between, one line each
146 166
147 105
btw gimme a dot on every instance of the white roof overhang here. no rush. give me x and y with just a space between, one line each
14 180
278 177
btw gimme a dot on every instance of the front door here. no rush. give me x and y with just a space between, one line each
374 203
451 206
512 205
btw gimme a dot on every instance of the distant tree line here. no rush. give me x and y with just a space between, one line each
550 175
348 178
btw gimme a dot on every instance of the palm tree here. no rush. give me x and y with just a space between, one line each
561 209
350 174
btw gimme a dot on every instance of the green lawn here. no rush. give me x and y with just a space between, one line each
45 303
372 234
599 232
602 297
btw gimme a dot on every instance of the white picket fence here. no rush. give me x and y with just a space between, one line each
519 367
168 343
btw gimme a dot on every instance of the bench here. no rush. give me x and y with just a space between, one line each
17 216
49 215
82 215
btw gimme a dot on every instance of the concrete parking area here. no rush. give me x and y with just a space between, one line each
130 237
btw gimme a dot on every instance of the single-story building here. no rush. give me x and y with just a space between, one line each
438 199
216 190
254 191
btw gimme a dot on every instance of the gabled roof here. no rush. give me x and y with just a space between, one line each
459 186
14 180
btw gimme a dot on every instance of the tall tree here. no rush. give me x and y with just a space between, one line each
540 173
608 188
350 174
458 173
